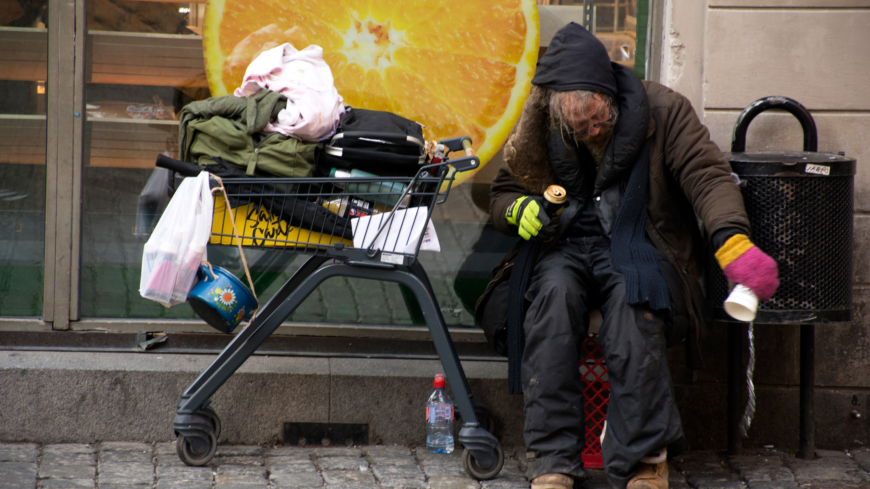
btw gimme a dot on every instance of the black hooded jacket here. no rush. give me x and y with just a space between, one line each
689 179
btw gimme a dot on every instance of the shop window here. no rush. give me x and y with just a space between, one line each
620 24
23 55
144 63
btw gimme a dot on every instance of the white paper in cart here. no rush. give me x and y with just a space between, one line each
405 229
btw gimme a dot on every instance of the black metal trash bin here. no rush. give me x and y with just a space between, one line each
800 208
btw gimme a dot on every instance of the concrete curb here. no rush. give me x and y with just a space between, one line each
63 397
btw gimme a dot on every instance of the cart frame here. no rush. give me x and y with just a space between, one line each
196 423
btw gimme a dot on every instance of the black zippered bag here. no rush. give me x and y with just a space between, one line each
377 142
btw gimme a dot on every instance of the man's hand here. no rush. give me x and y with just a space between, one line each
527 213
745 264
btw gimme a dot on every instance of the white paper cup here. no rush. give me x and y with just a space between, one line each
741 304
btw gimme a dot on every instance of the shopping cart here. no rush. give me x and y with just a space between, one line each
371 228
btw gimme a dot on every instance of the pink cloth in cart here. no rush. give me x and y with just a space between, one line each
314 106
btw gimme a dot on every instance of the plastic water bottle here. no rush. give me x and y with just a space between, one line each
439 419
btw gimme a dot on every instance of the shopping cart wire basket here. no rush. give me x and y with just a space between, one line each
371 228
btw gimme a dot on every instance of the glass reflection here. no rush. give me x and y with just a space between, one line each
23 54
143 69
144 64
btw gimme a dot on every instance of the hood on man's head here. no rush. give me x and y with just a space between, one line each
576 60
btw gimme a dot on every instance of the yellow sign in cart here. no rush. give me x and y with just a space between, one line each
257 227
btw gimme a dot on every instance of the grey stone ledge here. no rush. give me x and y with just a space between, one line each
126 456
184 472
37 360
720 485
67 448
304 479
66 483
293 467
504 484
404 484
452 482
10 471
50 471
183 484
342 463
338 452
69 458
26 452
126 473
388 451
773 485
244 460
241 470
385 472
239 451
347 477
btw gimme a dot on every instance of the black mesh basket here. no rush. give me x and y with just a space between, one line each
800 209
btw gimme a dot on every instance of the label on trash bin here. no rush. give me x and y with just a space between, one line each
818 169
392 258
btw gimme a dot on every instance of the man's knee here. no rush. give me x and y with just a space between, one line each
556 286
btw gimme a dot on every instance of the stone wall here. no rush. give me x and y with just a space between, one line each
723 55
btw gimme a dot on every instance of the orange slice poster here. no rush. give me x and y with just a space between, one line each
459 67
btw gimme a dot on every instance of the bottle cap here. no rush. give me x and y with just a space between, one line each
439 381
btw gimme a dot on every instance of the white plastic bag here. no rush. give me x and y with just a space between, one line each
177 246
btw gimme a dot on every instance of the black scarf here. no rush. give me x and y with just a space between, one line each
524 263
632 255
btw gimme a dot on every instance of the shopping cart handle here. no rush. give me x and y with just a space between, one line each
182 167
459 144
465 163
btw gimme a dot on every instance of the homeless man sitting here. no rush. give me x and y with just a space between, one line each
638 167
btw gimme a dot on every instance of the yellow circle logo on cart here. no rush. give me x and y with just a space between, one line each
459 67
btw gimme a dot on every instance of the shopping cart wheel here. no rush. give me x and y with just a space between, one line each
215 420
196 451
480 473
485 419
483 415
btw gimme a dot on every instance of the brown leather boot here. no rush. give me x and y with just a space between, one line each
553 481
650 476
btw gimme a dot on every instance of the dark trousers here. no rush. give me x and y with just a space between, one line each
577 275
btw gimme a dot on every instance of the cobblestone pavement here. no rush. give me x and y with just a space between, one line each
115 465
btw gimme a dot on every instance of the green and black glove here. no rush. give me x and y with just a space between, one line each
528 215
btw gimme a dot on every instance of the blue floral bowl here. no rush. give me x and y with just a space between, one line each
221 299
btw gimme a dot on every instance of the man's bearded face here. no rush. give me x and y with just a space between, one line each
591 125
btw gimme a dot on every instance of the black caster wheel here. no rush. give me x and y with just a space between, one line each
476 471
190 456
215 421
485 419
487 422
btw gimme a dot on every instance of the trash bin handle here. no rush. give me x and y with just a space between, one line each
811 138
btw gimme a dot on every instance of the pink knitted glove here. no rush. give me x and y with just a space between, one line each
745 264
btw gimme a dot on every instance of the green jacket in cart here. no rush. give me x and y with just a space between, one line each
231 128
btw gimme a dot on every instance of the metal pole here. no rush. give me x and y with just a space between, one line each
807 445
615 16
589 15
735 387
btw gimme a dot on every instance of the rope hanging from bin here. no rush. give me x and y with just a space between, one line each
749 412
238 242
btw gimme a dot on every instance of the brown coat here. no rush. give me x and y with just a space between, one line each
688 177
